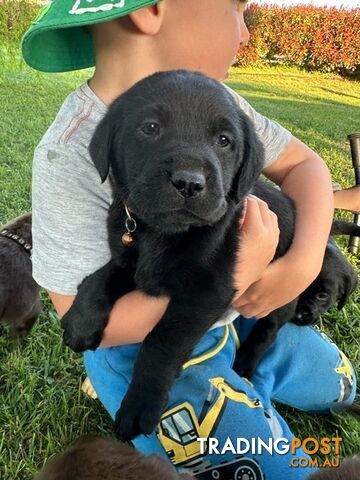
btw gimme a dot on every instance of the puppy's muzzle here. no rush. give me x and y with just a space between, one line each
188 184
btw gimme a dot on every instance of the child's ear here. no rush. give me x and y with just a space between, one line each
102 146
148 19
251 161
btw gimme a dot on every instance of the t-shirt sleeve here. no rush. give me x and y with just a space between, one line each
69 215
273 136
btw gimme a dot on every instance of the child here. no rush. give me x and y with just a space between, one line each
128 40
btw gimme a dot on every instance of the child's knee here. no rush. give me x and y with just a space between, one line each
347 384
340 386
110 384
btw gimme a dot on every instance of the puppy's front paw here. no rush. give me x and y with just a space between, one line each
81 333
138 414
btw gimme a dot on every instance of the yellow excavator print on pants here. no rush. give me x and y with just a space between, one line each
180 427
343 369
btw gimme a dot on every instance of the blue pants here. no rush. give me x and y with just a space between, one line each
302 368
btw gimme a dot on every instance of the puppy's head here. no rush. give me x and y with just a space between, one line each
315 300
343 275
92 458
180 150
334 285
349 284
21 226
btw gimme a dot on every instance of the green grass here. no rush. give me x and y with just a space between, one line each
41 407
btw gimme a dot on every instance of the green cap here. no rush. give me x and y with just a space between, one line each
57 40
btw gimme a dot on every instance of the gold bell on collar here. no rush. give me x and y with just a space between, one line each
130 225
127 239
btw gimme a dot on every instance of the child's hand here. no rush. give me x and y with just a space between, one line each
259 239
281 282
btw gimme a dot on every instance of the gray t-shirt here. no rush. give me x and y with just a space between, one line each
69 203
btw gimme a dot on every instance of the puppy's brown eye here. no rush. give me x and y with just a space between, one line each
151 128
222 141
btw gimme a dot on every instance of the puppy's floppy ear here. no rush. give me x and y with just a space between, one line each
102 146
349 284
252 161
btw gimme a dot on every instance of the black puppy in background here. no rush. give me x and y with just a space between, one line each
19 294
333 286
183 157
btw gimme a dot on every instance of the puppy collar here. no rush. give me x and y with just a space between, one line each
13 236
130 225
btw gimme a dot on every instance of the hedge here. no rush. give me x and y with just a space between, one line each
15 18
316 38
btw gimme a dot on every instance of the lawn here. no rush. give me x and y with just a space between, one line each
41 406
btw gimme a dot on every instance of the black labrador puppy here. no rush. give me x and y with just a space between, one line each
335 283
19 294
182 157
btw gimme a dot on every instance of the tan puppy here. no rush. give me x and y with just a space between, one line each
92 458
349 470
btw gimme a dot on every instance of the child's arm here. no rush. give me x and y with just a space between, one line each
304 177
348 199
134 315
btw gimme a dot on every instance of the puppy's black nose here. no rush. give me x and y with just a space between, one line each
188 184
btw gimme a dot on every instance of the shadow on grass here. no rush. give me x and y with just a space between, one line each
341 94
321 125
275 91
